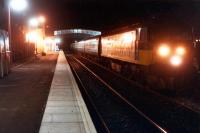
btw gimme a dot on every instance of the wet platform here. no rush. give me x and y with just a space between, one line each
65 111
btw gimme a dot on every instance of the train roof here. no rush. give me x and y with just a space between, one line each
115 31
122 29
161 27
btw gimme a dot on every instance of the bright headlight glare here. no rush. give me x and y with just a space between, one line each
180 51
176 60
164 51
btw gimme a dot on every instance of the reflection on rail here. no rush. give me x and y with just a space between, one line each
149 124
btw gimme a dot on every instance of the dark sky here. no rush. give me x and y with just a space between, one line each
102 14
105 14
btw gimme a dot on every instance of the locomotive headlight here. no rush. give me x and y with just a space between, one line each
180 51
176 60
164 51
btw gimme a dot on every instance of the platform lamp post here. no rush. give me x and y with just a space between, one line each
16 5
35 23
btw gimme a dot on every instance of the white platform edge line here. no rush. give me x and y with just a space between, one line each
89 125
87 121
49 93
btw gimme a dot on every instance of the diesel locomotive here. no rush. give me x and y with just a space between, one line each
152 55
5 55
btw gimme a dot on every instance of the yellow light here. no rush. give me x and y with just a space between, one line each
176 60
41 19
164 51
32 36
180 51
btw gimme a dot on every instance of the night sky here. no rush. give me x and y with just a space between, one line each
105 14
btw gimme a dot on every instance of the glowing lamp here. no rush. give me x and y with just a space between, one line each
57 40
180 51
48 40
32 36
176 60
33 22
163 51
41 19
18 5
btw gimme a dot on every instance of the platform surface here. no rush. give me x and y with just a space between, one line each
23 94
65 111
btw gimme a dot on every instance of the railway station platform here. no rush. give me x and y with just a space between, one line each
65 110
24 92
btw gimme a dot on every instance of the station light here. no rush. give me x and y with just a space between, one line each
48 40
32 36
41 19
33 22
57 40
18 5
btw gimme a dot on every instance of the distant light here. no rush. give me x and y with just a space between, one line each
33 22
164 51
48 40
18 5
57 40
42 19
32 36
176 60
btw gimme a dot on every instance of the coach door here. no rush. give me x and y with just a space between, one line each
141 41
1 55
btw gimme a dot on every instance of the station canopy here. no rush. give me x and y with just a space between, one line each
77 31
72 35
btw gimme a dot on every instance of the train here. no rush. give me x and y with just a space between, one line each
148 54
5 54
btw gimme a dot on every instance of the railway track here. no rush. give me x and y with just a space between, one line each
116 113
135 83
171 116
